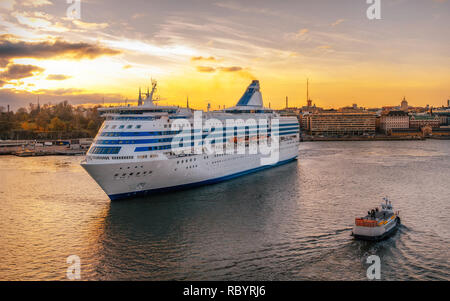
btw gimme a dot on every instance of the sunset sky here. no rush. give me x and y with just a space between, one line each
209 51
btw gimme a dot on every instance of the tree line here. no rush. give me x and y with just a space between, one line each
48 121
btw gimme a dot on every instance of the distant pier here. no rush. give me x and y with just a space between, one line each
33 148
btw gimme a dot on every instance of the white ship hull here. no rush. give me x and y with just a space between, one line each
164 175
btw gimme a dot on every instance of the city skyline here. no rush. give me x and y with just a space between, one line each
209 51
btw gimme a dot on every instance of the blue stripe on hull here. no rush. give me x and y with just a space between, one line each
196 184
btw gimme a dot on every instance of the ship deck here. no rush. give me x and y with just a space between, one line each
380 215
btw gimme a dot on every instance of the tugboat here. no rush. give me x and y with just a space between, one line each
377 224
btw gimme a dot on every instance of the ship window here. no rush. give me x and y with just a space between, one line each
106 126
138 126
121 127
114 126
129 126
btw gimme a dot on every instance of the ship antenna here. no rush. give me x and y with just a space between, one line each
150 97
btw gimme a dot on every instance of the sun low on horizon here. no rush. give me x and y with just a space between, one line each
94 52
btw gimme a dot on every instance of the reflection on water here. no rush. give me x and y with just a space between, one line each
292 222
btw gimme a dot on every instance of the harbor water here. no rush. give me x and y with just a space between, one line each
291 222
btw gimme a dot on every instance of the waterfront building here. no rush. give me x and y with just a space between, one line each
411 132
441 132
353 109
303 120
377 122
394 120
404 105
341 123
420 121
444 116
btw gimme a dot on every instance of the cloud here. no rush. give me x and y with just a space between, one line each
299 35
138 15
3 62
10 49
254 9
35 3
7 4
40 21
17 71
60 92
201 58
128 66
205 69
209 69
230 69
339 21
58 77
90 26
302 32
21 98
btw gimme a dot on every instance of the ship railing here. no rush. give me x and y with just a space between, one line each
365 222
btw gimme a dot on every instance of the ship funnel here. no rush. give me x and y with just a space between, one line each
252 96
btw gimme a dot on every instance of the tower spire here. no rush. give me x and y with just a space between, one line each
308 101
187 102
140 97
307 89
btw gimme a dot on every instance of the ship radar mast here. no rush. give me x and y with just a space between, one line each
149 101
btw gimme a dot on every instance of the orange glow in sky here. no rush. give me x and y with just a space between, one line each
209 51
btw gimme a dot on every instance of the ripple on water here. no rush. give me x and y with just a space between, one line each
292 222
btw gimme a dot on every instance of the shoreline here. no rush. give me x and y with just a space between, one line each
318 139
41 153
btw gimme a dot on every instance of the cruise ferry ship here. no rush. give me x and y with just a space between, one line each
136 153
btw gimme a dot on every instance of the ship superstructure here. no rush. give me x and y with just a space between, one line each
150 148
